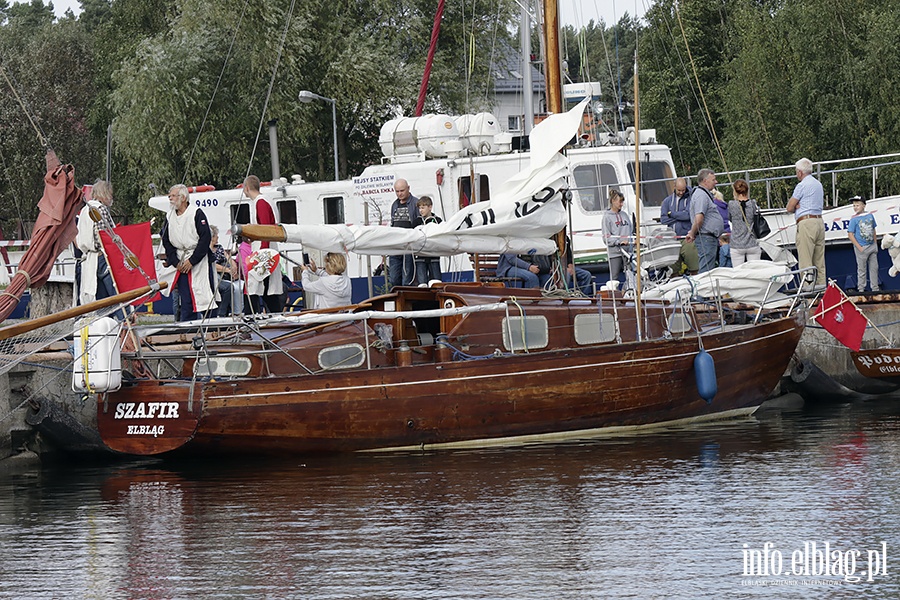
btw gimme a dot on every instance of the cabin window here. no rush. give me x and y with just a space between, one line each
593 183
534 337
465 190
222 366
240 213
594 328
347 356
514 123
287 211
334 210
656 181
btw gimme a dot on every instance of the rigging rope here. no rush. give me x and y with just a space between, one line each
684 68
712 127
262 120
187 167
37 128
262 116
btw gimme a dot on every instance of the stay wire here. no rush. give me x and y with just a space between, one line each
262 120
712 127
37 128
262 116
684 99
237 28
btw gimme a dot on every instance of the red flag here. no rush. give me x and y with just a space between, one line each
135 238
841 318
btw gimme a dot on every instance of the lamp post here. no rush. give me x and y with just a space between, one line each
307 97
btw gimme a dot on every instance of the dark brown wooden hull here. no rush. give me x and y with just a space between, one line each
883 364
535 394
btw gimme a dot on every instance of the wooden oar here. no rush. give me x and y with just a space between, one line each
263 233
76 311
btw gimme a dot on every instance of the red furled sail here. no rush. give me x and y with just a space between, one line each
53 231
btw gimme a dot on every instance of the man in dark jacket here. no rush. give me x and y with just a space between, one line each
676 214
404 213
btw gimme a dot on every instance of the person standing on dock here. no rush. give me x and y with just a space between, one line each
865 245
807 203
676 215
707 223
404 213
742 212
265 293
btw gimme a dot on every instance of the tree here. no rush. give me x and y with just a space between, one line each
30 16
51 72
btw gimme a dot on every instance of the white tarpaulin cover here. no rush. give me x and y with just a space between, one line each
745 283
522 216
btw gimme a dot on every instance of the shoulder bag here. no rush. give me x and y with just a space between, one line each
760 226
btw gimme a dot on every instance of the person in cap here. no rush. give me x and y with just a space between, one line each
862 235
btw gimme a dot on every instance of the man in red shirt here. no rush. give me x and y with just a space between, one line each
268 291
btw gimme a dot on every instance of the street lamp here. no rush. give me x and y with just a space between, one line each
307 97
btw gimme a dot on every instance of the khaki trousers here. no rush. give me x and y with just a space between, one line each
811 247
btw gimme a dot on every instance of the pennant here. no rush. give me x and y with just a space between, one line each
841 318
126 276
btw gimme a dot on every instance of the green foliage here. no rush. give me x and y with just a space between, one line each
184 84
33 15
51 69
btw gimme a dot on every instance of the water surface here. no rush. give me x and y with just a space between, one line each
669 514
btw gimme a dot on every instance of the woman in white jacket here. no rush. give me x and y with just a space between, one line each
332 288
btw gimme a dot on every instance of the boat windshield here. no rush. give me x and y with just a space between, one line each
656 181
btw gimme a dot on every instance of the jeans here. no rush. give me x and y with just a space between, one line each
227 295
427 268
529 279
708 250
583 280
402 269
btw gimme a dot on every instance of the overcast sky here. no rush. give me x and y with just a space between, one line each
572 12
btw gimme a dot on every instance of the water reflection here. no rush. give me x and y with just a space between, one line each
665 514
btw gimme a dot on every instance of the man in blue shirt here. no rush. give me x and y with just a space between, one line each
675 213
707 223
807 203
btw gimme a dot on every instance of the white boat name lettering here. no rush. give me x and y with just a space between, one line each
154 430
844 224
147 410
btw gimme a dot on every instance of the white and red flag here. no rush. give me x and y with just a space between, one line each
841 318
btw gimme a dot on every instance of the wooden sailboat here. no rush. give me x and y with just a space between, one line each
445 366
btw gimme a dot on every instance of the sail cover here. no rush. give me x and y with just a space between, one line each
522 216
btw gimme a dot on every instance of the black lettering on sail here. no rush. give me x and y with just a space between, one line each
487 218
529 206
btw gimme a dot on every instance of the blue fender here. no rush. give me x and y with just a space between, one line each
705 372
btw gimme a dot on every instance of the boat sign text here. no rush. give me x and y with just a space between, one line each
147 410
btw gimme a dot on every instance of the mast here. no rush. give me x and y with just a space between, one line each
553 81
637 197
552 71
527 83
435 31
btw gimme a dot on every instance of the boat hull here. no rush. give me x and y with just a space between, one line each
878 363
460 402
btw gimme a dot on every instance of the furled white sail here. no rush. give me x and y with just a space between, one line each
522 216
